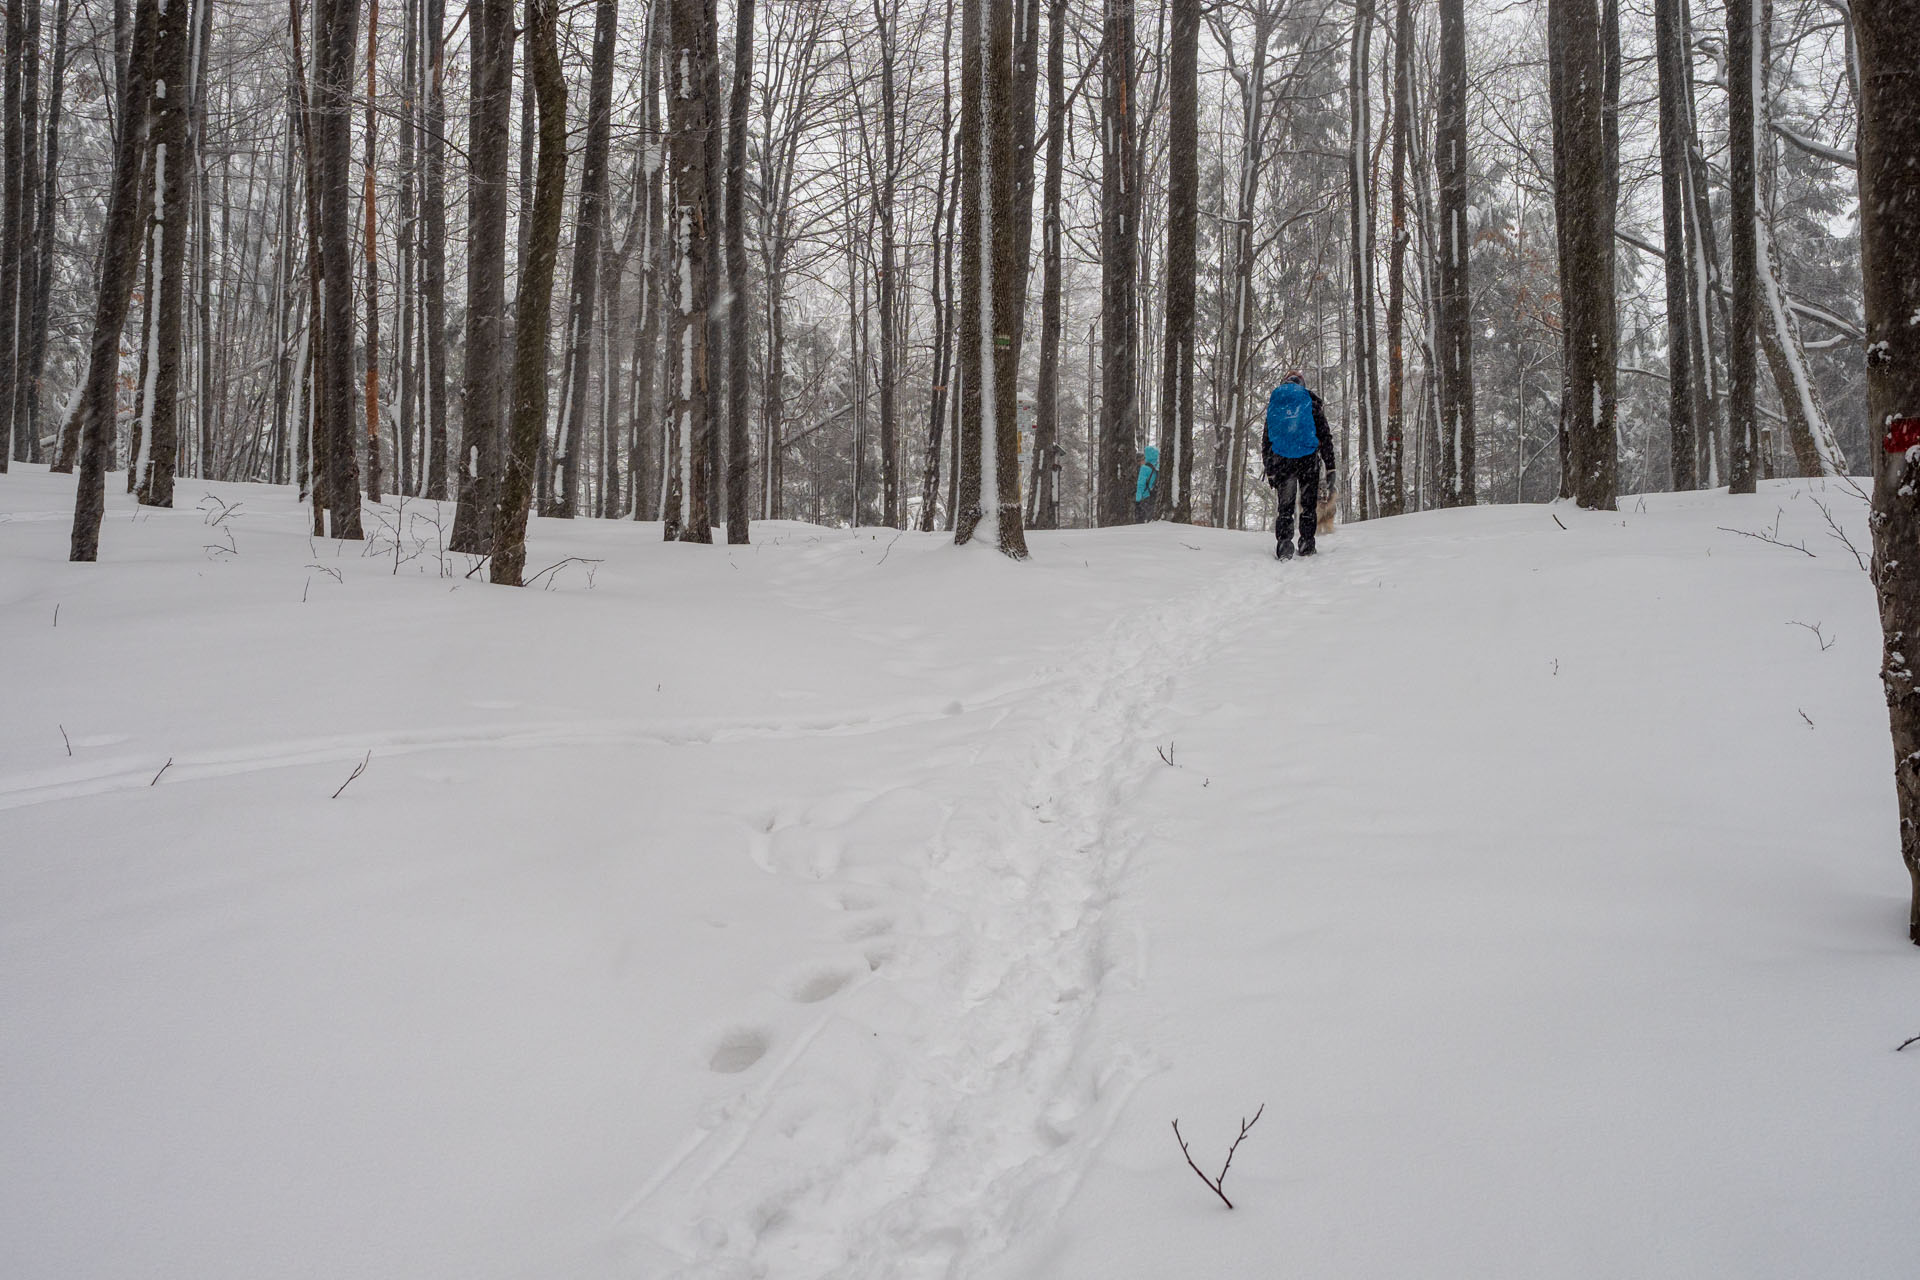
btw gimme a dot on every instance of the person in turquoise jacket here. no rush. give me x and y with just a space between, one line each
1147 487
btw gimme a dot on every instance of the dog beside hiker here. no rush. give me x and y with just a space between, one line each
1294 450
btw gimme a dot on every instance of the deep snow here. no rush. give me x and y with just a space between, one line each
826 907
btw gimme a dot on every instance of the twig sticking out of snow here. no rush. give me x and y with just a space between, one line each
1166 755
1904 1043
1557 520
64 738
1833 528
1215 1185
1826 642
163 768
1770 540
357 771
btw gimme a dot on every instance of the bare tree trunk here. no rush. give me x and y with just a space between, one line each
533 301
645 466
12 218
739 312
1888 32
1393 487
887 285
689 117
1183 216
1746 42
119 253
946 198
487 148
976 397
1453 322
371 264
44 225
1011 210
1366 405
578 354
1672 55
333 135
1045 499
171 170
433 266
1579 30
406 237
1119 268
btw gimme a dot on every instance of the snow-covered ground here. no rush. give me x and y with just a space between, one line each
851 905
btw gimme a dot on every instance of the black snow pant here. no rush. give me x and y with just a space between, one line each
1296 481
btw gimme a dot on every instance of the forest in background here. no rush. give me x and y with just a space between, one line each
320 160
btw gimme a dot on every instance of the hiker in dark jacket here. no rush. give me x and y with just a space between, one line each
1293 448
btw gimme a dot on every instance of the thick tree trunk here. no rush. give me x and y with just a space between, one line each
1011 211
973 286
1119 269
1453 322
406 237
1577 29
1746 47
946 199
739 310
533 301
689 118
13 199
433 264
1183 216
488 146
1045 498
886 284
333 136
370 261
171 170
1366 376
1392 466
119 259
42 300
1673 59
1888 32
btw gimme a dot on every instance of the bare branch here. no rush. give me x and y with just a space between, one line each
1217 1185
357 771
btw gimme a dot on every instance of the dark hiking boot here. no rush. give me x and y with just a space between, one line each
1307 549
1283 551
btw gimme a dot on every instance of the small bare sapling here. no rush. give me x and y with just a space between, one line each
1217 1185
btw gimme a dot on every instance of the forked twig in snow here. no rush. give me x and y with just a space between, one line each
357 771
1215 1185
163 768
563 564
1770 540
328 569
1825 642
1166 755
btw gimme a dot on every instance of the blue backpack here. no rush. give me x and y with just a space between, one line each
1290 431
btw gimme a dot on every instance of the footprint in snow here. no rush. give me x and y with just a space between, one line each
872 927
738 1048
811 986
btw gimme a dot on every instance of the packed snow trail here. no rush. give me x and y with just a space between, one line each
976 1107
